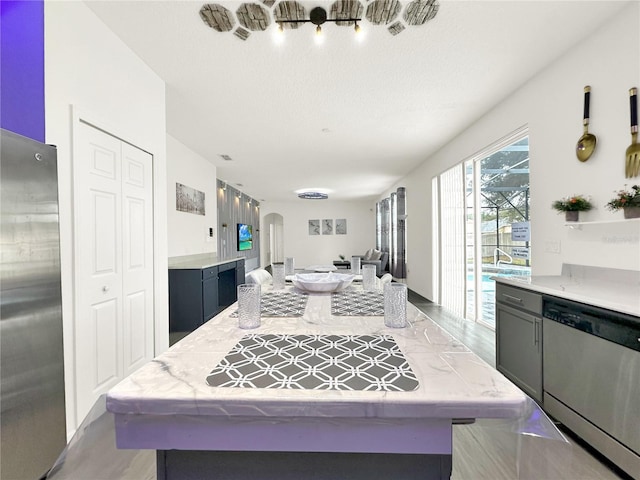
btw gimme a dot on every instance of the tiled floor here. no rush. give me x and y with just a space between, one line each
492 450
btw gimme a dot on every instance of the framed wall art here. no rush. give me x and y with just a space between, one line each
189 200
314 227
327 226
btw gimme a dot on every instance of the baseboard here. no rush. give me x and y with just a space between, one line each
418 297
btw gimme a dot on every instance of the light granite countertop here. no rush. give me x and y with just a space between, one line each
197 261
613 289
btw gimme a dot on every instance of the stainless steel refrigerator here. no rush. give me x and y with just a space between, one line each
31 365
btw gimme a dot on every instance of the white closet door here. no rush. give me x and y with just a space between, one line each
137 266
114 263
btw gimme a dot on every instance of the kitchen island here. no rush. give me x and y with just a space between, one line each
300 431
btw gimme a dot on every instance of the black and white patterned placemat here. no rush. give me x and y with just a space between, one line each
281 304
315 362
357 303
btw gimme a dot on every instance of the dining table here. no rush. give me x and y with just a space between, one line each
321 389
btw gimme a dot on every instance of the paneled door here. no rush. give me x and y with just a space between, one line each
114 263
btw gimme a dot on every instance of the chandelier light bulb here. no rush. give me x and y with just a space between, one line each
319 36
278 34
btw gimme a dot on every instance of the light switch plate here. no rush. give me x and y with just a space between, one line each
552 246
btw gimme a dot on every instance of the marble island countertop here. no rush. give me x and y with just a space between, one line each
453 381
617 290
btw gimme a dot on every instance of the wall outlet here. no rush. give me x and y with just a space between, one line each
209 234
552 246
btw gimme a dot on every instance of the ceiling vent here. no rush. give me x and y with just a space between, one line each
226 158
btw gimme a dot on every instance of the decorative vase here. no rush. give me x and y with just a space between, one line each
572 215
631 212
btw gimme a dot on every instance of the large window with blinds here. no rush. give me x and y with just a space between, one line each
452 260
481 230
391 215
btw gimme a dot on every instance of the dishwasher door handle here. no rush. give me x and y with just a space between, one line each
511 298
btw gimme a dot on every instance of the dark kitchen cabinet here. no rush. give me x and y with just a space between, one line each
210 288
227 284
240 272
519 338
198 294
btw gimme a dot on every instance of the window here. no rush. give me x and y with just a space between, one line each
482 213
391 218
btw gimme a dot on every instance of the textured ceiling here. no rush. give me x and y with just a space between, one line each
352 117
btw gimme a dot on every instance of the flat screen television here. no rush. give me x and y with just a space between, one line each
245 237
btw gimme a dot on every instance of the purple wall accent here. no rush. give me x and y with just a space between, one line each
22 67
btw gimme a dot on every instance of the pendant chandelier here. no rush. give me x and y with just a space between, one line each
259 16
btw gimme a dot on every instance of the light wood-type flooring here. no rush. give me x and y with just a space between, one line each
491 450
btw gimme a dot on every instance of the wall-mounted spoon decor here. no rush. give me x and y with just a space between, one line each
632 160
587 142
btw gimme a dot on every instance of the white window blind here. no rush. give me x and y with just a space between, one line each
452 240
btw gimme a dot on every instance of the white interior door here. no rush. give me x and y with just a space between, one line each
114 263
137 261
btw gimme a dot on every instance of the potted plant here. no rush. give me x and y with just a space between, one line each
628 201
572 206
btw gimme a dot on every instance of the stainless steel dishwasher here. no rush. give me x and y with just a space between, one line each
592 377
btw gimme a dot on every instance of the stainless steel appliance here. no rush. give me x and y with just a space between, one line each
592 377
32 399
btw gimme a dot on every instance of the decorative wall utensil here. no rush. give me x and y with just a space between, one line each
587 142
632 164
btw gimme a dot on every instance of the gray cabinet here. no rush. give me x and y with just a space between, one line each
198 294
519 338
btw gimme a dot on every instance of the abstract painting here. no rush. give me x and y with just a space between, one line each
189 199
314 227
327 226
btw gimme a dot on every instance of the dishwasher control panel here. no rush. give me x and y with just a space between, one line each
616 327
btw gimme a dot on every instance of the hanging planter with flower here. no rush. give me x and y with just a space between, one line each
572 206
628 201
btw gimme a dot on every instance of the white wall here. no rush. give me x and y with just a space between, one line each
321 249
608 59
187 233
91 74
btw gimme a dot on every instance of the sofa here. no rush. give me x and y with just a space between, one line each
377 258
259 275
